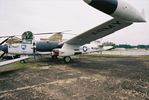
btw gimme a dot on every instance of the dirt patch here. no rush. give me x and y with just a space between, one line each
86 78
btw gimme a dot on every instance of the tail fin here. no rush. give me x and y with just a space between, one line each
56 37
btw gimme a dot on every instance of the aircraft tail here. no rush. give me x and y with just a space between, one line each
56 37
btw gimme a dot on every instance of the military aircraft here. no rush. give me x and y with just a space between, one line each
13 45
123 15
27 45
95 46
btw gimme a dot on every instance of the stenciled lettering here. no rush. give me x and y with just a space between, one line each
108 27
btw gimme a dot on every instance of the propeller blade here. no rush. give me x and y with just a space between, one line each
4 36
62 32
42 33
2 55
9 36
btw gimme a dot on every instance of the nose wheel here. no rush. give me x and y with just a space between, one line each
67 59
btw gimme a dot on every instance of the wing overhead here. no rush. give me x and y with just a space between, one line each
99 32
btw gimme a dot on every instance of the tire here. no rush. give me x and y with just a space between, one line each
54 57
17 56
22 61
67 59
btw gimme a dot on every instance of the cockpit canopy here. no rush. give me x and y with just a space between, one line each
27 37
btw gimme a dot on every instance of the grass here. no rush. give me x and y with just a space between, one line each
107 55
30 63
145 57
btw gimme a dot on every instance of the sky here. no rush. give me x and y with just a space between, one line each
17 16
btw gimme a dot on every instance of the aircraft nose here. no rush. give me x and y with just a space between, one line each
88 1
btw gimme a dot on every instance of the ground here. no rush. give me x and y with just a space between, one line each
86 78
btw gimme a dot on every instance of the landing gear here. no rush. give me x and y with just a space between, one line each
54 57
22 61
67 59
16 56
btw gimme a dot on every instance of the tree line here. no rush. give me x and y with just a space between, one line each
127 46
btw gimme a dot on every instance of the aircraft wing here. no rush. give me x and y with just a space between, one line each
12 61
98 32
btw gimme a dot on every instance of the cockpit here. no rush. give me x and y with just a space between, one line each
27 37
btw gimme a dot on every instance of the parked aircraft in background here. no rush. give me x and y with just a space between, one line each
123 15
16 46
94 46
28 46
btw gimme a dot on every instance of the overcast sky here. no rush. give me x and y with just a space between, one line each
17 16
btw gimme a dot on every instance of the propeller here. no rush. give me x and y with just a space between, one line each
62 32
9 36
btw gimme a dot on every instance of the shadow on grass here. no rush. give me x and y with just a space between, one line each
9 72
128 68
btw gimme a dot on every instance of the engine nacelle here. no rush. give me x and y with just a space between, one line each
62 52
117 9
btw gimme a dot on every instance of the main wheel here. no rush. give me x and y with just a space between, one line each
22 61
67 59
54 57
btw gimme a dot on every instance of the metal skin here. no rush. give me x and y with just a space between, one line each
106 6
46 46
28 45
124 15
118 9
94 47
21 48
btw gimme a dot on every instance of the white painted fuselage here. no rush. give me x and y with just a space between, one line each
20 48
